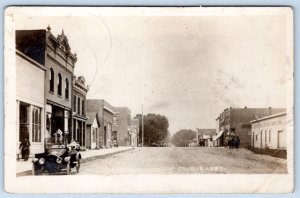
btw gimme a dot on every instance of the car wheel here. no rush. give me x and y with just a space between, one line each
78 166
68 169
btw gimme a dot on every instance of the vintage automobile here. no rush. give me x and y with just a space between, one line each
59 157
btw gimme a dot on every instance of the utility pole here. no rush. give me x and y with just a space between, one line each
142 126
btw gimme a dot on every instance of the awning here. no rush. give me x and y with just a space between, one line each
218 135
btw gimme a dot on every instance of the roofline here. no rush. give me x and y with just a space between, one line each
267 117
21 54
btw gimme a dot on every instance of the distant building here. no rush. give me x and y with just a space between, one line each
269 132
134 132
30 95
205 136
237 121
106 114
123 123
80 90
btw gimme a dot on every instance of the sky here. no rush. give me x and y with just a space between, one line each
188 68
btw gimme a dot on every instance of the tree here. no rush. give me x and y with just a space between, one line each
183 137
155 128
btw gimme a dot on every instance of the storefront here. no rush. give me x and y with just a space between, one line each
58 118
29 103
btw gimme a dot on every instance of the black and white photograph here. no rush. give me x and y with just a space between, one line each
149 99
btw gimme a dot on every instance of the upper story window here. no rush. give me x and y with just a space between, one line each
59 84
82 107
78 103
51 80
67 88
74 104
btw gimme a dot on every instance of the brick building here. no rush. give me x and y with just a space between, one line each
122 128
79 111
237 120
105 113
53 53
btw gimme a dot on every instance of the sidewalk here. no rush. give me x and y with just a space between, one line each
23 168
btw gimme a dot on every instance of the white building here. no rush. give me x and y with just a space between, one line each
30 85
269 132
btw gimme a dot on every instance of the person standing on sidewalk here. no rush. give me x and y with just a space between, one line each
24 146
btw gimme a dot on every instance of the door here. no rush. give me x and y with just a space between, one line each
281 139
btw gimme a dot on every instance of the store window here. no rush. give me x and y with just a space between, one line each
36 124
24 110
59 84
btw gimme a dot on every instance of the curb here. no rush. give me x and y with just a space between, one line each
84 160
104 155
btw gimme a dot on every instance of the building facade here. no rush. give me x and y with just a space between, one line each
237 121
270 132
30 96
205 137
106 114
92 130
55 54
134 132
79 111
123 130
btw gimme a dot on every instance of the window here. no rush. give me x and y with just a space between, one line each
67 88
94 135
256 137
36 124
270 135
59 84
24 121
82 106
78 103
74 104
51 80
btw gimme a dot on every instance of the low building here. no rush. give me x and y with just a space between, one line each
236 121
79 111
106 114
30 96
269 132
92 130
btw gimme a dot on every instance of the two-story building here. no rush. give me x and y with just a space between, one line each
106 114
79 111
237 121
53 53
